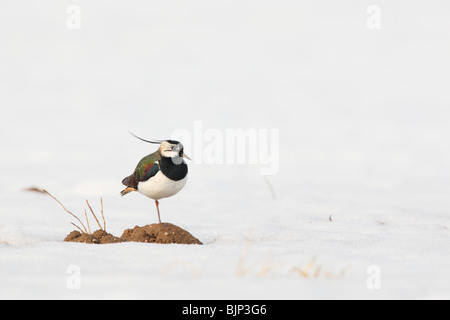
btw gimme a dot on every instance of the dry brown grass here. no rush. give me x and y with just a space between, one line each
269 265
314 270
83 228
260 269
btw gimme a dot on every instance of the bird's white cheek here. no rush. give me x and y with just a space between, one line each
169 154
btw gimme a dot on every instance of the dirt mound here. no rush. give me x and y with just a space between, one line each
98 237
165 233
159 233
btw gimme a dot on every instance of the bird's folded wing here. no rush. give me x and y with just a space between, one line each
146 168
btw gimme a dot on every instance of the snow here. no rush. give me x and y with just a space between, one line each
363 121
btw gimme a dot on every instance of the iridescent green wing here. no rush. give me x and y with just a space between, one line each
147 167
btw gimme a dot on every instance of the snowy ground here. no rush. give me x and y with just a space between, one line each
363 120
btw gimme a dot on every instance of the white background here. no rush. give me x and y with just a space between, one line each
363 119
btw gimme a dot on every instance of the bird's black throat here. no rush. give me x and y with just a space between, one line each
173 168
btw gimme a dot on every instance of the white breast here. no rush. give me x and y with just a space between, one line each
159 186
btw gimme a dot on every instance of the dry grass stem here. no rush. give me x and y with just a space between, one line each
103 216
77 227
48 193
84 229
95 217
311 270
87 221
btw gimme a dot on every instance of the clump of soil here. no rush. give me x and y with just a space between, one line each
98 237
154 233
164 233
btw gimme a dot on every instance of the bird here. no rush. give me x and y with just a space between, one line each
161 174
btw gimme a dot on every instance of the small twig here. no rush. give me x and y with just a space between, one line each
94 215
87 220
317 272
103 216
304 272
77 227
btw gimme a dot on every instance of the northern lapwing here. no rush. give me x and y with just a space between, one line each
161 174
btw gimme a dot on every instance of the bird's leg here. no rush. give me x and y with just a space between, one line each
157 209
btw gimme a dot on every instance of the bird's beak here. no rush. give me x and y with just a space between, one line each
186 156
